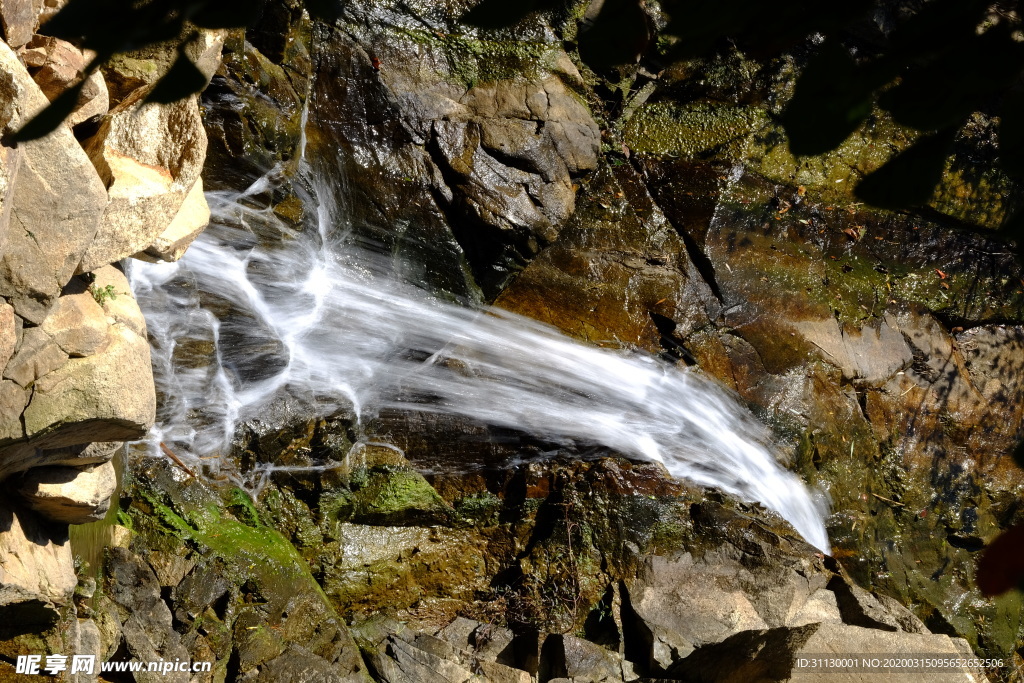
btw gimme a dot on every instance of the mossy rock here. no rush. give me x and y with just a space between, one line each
397 497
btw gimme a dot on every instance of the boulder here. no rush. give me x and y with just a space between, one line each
580 661
137 70
69 495
83 454
150 156
108 396
120 306
57 65
56 201
20 19
679 604
191 219
782 654
36 571
77 323
37 355
484 641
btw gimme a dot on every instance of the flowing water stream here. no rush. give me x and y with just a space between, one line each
314 318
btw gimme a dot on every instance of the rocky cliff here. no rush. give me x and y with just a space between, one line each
649 209
117 179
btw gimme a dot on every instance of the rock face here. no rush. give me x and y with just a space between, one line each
75 374
485 152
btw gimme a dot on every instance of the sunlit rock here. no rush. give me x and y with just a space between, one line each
71 495
57 65
150 156
191 219
77 323
56 202
104 397
36 572
20 19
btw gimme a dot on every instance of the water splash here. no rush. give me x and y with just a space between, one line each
311 316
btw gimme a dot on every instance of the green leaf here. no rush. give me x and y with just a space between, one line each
180 81
326 10
47 121
831 98
909 178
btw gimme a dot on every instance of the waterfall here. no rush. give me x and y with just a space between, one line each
314 317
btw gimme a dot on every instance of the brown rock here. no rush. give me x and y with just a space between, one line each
8 333
59 65
13 399
69 495
122 306
20 19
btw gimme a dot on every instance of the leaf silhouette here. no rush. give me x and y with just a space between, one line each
180 81
909 178
47 120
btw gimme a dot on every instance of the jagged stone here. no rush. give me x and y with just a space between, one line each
861 608
773 655
77 324
820 607
402 662
20 19
683 603
89 642
13 399
37 356
150 156
578 660
146 622
191 219
108 396
36 572
485 641
59 65
299 664
128 72
8 332
56 201
121 305
69 495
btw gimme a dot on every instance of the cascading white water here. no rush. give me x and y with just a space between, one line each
309 316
